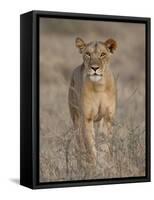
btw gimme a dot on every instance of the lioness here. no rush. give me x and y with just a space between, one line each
92 92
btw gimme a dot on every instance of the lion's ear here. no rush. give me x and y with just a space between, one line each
80 44
111 45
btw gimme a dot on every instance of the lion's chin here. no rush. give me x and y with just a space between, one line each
95 78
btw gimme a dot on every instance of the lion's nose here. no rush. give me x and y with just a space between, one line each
95 68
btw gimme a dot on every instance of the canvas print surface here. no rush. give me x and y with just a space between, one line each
92 99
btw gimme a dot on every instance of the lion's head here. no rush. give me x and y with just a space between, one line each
96 56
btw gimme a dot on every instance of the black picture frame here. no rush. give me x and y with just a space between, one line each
29 98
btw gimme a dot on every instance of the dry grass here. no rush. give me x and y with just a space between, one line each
58 58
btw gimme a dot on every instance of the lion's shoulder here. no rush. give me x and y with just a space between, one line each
77 75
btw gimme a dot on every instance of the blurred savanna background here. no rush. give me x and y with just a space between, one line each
58 59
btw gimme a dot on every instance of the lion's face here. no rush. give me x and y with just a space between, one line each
96 56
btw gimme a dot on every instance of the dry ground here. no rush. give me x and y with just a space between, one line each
58 58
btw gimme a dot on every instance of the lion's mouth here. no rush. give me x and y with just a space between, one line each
95 77
95 74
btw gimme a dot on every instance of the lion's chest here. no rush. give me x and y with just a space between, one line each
95 105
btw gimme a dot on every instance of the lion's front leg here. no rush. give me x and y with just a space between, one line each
106 124
89 141
109 133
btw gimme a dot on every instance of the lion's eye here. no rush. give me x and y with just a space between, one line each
87 54
103 54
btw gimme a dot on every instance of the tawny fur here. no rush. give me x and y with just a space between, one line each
92 93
